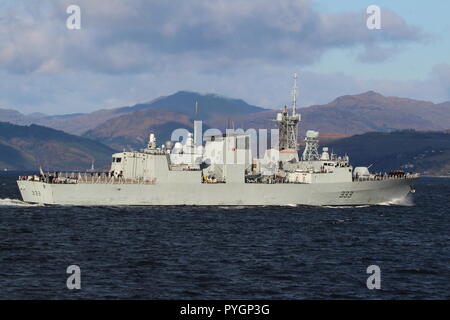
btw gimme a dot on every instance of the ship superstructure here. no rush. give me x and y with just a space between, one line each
223 171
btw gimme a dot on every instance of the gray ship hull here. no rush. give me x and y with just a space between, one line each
317 194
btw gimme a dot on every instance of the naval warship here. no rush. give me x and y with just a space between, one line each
221 170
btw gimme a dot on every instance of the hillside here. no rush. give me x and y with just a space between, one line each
128 127
182 102
28 147
131 130
210 105
347 115
356 114
372 111
425 152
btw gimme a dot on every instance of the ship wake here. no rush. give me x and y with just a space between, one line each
402 202
16 203
347 207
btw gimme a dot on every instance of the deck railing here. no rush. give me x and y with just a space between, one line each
105 178
388 177
85 178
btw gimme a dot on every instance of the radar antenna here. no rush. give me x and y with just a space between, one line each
294 95
196 110
311 152
198 129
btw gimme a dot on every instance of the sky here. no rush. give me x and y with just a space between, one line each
133 51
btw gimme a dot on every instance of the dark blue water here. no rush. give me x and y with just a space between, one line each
226 253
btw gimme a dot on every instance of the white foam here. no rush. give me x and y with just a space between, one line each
16 203
347 207
405 202
233 207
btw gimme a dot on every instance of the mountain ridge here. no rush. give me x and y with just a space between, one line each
131 130
210 105
424 152
348 115
33 146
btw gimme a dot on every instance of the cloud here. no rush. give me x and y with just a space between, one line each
132 51
267 86
442 73
434 87
376 53
139 36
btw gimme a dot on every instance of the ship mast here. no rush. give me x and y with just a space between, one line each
294 95
288 123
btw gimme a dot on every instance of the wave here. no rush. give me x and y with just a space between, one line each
402 202
256 206
347 207
16 203
233 207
